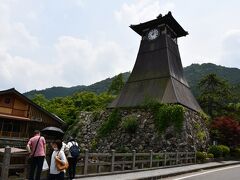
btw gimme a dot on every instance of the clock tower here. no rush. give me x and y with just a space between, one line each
158 72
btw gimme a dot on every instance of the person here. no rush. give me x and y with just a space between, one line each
36 146
71 160
55 174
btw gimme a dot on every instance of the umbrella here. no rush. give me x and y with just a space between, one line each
52 131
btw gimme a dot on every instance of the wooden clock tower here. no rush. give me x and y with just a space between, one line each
158 71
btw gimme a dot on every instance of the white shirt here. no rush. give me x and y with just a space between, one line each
69 145
53 167
63 146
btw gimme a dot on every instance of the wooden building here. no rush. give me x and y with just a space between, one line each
19 117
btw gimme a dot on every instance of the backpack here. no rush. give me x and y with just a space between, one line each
74 150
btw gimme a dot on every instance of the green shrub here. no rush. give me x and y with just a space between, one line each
201 135
166 115
219 150
130 123
111 123
215 150
235 152
210 156
225 150
201 156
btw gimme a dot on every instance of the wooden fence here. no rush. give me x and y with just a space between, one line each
12 162
108 163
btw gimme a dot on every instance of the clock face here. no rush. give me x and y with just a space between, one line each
153 34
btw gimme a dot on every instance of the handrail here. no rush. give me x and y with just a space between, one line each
112 162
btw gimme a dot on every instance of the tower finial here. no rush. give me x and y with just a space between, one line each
159 16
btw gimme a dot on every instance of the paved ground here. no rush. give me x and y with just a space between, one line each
223 173
159 173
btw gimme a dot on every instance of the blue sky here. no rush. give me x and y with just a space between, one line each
49 43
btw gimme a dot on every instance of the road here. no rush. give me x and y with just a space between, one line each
225 173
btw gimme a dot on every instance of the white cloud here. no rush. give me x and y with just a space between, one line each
26 74
142 10
84 62
231 49
14 34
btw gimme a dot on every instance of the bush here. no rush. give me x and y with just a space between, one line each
201 156
110 124
219 150
210 155
225 150
226 130
166 115
130 124
215 150
235 152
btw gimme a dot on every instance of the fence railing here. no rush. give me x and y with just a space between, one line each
107 163
94 163
12 161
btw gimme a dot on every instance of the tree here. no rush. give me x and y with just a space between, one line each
40 100
116 85
226 130
214 94
67 108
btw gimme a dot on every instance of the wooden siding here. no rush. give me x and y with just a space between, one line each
14 106
19 118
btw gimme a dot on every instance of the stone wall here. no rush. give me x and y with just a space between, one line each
193 136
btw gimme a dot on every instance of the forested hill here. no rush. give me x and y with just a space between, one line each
97 87
193 74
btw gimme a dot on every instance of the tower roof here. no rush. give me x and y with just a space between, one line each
168 19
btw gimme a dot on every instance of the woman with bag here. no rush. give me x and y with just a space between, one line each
58 162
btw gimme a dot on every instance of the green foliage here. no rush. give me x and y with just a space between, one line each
201 135
195 72
67 108
110 124
98 87
225 150
130 123
93 144
210 156
215 150
116 85
235 153
201 156
166 115
40 100
234 110
197 126
219 150
205 117
215 94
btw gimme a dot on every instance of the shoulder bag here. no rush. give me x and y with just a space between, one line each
31 157
61 165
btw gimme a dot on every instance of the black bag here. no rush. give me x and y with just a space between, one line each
74 150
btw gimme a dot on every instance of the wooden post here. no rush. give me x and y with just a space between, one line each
186 157
85 169
98 169
6 163
165 158
133 159
123 166
113 159
177 157
27 167
195 157
151 158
